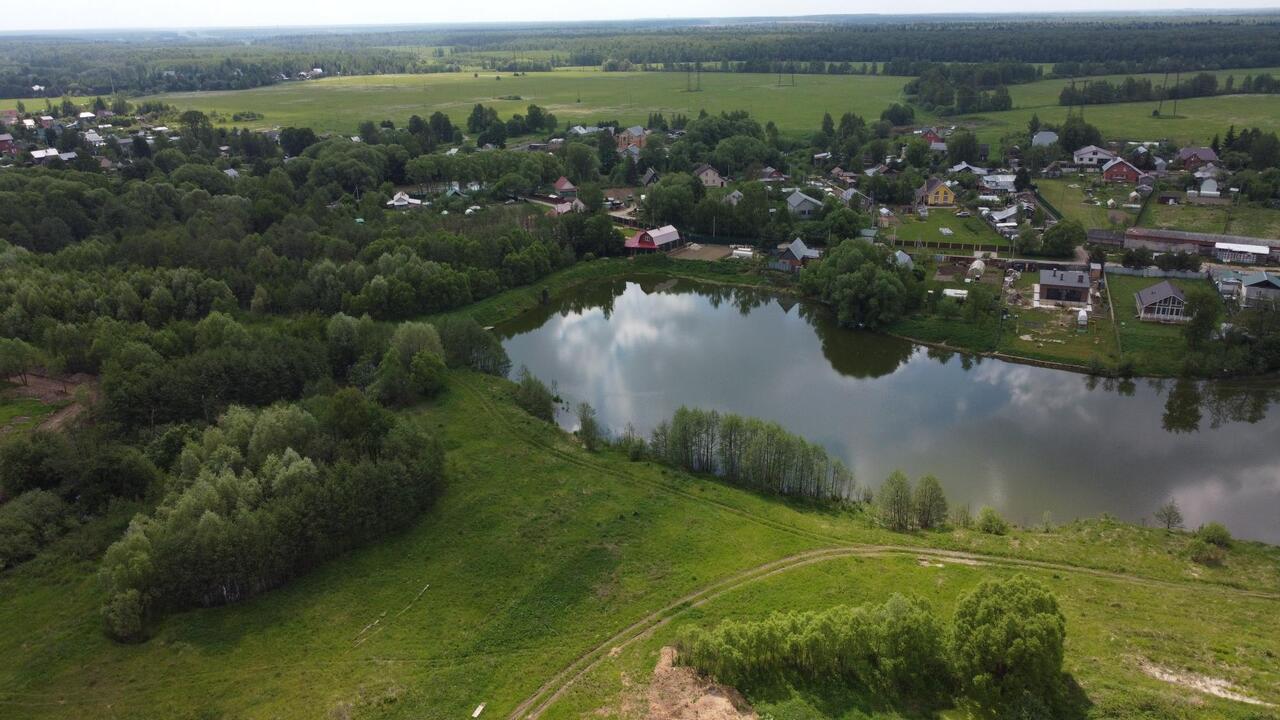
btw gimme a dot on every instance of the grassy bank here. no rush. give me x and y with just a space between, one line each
538 554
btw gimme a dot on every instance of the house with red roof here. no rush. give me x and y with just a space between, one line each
564 188
660 240
1121 171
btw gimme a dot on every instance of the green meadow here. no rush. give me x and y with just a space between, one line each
540 559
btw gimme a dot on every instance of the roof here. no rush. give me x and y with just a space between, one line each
966 167
798 199
902 258
1142 233
564 184
1005 214
704 167
1260 278
1095 150
1044 137
1241 247
734 197
929 186
1202 153
1160 291
800 251
1120 161
653 239
1065 278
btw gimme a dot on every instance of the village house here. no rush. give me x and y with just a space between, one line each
844 177
564 208
855 198
931 136
402 201
1191 158
803 206
1001 184
1120 170
733 198
794 255
633 136
875 170
709 176
1162 302
934 192
659 240
1064 287
1044 138
7 145
650 177
1092 156
564 188
772 175
1260 290
964 167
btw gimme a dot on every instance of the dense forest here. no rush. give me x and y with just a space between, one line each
60 64
1100 92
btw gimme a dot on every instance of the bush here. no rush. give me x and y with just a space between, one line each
534 397
28 523
428 374
990 522
588 426
1206 553
1007 643
1215 534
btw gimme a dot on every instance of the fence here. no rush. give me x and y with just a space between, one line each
942 245
1155 272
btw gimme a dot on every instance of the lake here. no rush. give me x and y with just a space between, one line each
1022 439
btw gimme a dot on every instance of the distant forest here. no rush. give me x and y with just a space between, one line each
140 64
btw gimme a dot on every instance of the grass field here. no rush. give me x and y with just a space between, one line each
538 555
1069 196
966 231
340 104
1155 347
1236 219
1052 335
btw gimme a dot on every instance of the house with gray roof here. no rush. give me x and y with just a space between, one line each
1162 302
733 198
803 206
794 255
1064 287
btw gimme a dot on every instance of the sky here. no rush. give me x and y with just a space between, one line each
89 14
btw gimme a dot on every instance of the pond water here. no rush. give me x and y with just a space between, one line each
1022 439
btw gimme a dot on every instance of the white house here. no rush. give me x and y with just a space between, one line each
1092 155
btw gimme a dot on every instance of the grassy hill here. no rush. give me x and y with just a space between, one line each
540 560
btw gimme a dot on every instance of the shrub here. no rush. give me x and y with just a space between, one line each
961 517
990 522
1206 553
28 523
1215 534
534 397
588 426
427 373
1007 642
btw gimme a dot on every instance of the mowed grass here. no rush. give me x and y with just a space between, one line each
1157 348
1069 196
340 104
972 230
536 554
1053 335
1235 219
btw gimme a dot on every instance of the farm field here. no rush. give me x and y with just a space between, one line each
1236 219
1156 347
1070 197
340 104
1199 119
538 555
965 231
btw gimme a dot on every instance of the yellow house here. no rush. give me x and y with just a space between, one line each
935 192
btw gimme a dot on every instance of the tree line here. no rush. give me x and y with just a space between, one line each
1101 92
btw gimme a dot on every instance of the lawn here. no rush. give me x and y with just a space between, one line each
1156 348
1053 335
965 231
537 554
1237 219
1071 197
339 104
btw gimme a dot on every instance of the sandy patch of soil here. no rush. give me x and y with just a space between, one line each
679 693
1202 683
55 391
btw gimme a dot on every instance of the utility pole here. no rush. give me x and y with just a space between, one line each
1164 90
1177 90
